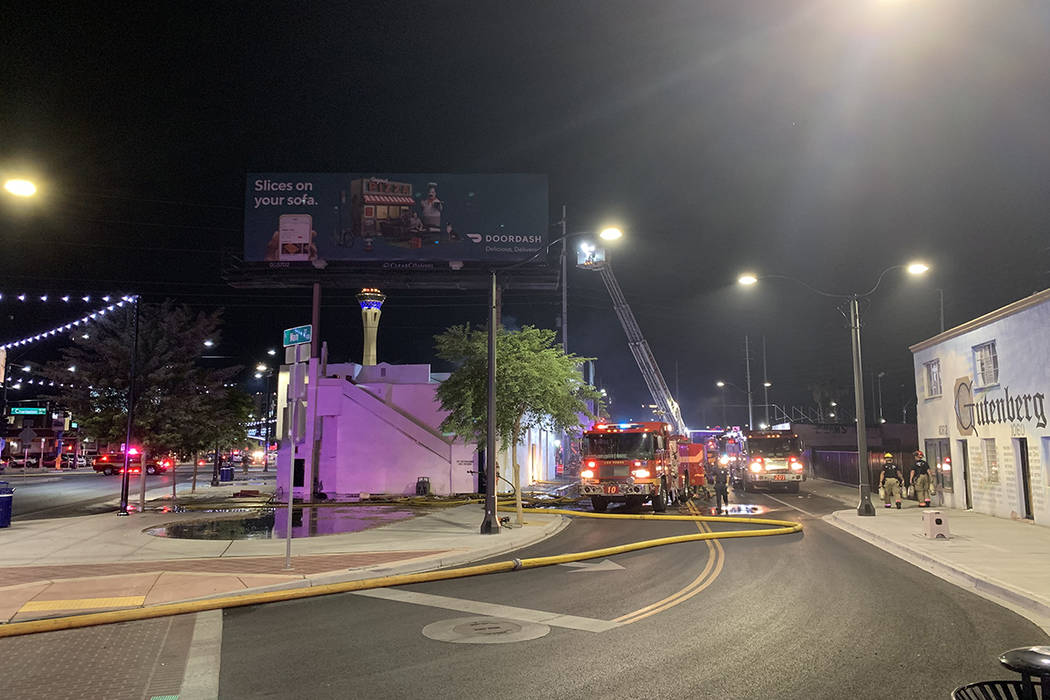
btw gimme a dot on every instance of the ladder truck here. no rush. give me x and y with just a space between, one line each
593 258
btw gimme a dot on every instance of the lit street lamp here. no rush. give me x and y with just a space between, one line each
20 188
864 507
490 525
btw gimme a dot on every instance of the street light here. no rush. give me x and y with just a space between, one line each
490 525
916 268
20 188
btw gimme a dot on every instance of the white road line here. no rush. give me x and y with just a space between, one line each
800 510
200 681
586 624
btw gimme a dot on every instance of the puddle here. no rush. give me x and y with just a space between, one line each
270 524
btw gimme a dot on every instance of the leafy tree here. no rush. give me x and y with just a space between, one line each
537 386
179 405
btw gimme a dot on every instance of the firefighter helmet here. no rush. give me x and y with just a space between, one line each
888 455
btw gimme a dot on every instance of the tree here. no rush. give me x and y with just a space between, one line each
537 386
179 405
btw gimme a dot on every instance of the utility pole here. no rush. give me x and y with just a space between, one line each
765 379
124 477
747 360
864 507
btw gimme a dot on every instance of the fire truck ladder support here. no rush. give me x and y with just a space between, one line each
654 378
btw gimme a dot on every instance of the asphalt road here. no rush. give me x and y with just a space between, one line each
77 492
819 614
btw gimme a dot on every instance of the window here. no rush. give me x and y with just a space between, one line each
933 378
986 364
991 459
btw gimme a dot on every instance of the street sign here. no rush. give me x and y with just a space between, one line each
27 436
28 411
73 425
298 335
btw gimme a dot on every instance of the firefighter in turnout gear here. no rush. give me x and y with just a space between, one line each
920 479
890 480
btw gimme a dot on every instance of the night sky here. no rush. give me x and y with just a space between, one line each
822 140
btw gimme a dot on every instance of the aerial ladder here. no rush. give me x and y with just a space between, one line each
593 258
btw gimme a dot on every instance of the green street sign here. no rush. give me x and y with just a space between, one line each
28 411
298 335
73 425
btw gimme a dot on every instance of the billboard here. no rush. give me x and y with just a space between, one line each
313 217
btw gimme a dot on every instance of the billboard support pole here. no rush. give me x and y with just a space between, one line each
313 372
490 525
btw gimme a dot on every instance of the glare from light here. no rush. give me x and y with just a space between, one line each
720 384
834 404
20 188
209 343
261 367
271 352
258 375
767 384
917 268
72 368
831 415
610 234
747 279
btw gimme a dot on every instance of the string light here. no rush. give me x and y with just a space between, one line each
30 339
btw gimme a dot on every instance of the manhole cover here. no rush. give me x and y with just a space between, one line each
484 630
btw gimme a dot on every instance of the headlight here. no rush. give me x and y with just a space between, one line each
756 467
641 473
587 474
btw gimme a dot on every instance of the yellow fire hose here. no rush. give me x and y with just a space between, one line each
779 527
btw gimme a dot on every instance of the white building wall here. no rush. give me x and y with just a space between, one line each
381 434
1021 333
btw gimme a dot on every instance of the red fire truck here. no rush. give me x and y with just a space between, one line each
774 460
631 463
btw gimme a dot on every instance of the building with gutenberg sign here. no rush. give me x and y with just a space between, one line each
982 410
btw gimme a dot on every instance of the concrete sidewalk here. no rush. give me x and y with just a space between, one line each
103 562
1006 561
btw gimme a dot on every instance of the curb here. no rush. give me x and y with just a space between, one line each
420 565
985 585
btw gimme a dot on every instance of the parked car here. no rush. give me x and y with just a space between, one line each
69 463
113 463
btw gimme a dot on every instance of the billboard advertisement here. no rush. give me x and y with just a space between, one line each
360 217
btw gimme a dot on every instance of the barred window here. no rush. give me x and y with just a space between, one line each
986 364
933 378
991 459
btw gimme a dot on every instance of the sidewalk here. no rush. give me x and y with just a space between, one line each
103 562
1006 561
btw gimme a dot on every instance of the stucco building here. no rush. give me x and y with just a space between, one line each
982 410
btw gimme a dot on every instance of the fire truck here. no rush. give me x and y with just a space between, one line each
693 461
773 459
631 463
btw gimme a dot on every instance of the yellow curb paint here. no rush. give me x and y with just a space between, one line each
82 603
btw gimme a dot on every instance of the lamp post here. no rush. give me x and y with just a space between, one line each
853 301
490 525
722 386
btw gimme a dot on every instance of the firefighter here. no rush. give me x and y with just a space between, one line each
721 489
890 481
920 479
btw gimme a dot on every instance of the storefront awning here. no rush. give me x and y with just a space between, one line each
389 199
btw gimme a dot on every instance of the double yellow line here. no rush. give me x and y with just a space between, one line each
715 560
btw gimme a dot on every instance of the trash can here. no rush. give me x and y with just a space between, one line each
225 473
935 524
6 503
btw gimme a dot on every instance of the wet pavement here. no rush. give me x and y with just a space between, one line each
265 524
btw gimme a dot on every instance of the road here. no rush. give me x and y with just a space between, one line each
818 614
78 492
